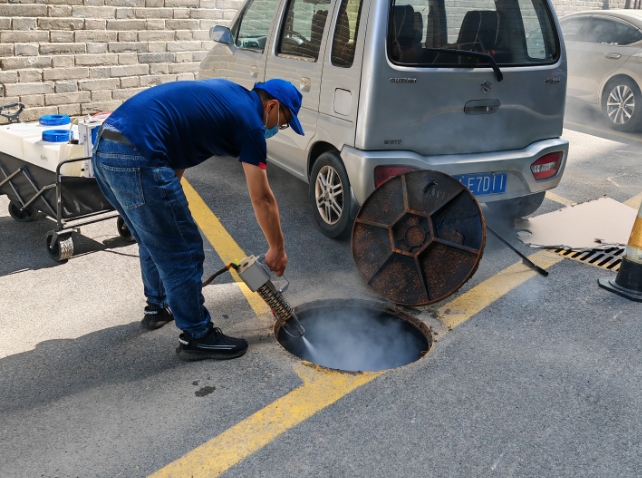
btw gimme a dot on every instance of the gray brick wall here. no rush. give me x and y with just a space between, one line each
85 56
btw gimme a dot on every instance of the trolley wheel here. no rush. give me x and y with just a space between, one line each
25 215
123 230
61 248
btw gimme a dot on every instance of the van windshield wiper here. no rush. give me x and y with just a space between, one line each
474 54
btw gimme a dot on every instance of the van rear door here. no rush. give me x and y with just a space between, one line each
428 98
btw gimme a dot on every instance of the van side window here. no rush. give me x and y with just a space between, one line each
513 32
345 33
302 29
251 31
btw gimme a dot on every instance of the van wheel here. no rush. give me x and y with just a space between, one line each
518 207
622 104
330 196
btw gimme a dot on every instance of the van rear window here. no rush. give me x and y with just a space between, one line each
513 32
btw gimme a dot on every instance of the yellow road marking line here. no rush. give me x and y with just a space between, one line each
611 133
223 243
459 310
558 199
635 201
249 436
321 387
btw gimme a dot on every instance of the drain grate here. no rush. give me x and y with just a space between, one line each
605 258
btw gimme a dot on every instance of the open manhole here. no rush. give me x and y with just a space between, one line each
356 335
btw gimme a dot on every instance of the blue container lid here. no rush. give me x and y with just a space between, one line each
56 135
54 120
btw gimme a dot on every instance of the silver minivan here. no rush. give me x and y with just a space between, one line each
472 88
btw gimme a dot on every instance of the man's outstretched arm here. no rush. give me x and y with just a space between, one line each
267 215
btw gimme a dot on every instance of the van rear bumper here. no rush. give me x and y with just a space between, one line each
360 166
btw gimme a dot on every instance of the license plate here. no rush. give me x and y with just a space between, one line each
483 183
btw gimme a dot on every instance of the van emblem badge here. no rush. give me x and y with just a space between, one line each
485 86
403 80
551 81
391 141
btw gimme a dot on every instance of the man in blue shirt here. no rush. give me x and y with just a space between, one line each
140 155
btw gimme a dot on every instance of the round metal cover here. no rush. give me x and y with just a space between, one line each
418 237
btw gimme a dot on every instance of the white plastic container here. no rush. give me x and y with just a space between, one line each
48 155
12 136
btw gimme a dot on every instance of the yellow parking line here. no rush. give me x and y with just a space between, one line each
225 246
249 436
558 199
321 387
481 296
609 132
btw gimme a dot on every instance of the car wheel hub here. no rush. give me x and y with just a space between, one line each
620 104
329 195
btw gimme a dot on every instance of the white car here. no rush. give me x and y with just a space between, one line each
604 51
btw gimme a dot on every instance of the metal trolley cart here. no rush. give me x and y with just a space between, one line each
72 201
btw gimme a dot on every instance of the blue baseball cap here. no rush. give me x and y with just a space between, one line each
286 94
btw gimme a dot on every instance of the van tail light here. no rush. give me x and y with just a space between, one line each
547 166
383 173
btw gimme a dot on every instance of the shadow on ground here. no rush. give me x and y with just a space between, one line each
23 244
57 369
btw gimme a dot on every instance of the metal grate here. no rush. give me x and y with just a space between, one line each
605 258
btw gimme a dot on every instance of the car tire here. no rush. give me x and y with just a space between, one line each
518 207
622 105
330 196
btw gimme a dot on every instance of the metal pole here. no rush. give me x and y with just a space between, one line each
526 260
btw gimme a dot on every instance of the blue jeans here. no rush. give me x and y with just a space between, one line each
151 201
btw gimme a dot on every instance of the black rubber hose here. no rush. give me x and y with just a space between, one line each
219 272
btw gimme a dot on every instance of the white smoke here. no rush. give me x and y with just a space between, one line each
353 338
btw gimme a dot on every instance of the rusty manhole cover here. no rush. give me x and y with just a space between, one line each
419 237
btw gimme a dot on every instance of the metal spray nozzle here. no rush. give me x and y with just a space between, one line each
256 276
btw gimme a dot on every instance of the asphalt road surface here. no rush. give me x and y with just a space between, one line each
529 375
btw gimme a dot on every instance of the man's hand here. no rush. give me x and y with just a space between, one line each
267 215
276 260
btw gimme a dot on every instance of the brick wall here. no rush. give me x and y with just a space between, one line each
85 56
564 7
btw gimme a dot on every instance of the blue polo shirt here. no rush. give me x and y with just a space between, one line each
186 122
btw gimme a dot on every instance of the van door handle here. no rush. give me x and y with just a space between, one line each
613 56
254 72
481 107
305 85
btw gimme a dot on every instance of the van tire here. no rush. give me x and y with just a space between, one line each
518 207
613 90
332 214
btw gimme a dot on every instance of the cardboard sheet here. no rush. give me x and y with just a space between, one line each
597 224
